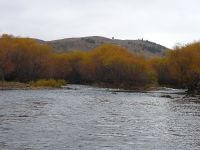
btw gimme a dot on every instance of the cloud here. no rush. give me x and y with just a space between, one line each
164 22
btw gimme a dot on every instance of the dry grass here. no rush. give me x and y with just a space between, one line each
52 83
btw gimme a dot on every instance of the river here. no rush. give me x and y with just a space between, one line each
89 118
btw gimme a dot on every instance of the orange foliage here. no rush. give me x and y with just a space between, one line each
162 69
115 65
24 59
180 67
185 65
58 66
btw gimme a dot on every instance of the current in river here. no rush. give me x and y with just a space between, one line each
90 118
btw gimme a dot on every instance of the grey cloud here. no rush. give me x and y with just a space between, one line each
165 22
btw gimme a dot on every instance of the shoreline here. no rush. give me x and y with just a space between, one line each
11 85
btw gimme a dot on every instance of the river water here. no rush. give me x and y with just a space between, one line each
89 118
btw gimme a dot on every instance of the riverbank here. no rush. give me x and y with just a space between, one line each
40 84
54 84
59 84
127 87
5 85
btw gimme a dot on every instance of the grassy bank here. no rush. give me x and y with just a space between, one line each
40 84
51 83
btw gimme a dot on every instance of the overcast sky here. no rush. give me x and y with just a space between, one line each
166 22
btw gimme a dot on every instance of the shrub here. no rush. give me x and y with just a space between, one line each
48 83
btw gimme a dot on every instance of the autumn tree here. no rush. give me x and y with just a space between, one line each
58 66
75 59
115 65
161 67
22 59
185 65
6 65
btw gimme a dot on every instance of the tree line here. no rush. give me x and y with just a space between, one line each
180 67
24 60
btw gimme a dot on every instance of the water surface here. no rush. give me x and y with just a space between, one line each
88 118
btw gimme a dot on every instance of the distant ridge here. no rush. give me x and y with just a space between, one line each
140 46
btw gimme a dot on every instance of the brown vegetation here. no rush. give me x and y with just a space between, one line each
13 85
48 83
24 60
180 67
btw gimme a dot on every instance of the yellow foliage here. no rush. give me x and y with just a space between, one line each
185 64
48 83
24 59
180 67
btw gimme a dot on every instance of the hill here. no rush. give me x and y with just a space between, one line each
143 47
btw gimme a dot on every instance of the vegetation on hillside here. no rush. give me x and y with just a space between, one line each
140 46
24 60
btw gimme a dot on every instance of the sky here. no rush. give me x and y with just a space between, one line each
167 22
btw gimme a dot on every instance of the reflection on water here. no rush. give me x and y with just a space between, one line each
83 117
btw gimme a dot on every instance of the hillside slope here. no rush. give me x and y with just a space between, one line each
143 47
